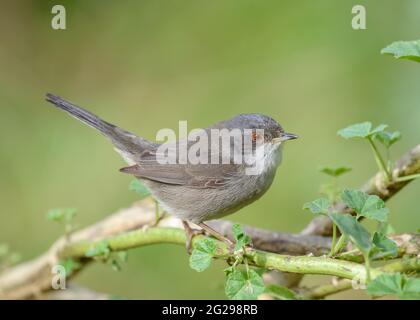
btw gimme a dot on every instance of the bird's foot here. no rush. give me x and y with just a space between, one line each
159 215
218 236
190 234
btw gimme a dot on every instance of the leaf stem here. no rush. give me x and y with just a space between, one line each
340 244
379 160
367 266
406 178
333 241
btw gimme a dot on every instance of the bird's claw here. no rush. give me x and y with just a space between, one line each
190 234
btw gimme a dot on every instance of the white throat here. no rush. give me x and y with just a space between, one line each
267 158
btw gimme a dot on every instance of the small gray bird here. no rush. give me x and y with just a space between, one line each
196 192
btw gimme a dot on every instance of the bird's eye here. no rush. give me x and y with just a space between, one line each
254 136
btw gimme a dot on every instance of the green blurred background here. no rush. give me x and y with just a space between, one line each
144 65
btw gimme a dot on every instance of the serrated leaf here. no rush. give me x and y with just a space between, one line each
318 206
100 249
395 284
280 292
374 208
360 130
139 188
241 238
386 284
355 199
241 285
335 172
378 129
349 226
384 247
388 138
409 50
369 206
202 254
411 289
200 261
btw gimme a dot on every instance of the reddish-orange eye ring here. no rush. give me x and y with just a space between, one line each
254 136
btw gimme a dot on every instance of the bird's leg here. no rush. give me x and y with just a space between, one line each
190 233
217 235
159 215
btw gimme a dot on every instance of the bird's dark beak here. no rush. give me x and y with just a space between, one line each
288 136
285 136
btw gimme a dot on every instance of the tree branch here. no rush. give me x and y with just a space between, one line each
262 259
31 278
320 292
408 245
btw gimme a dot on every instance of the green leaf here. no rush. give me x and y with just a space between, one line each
281 293
411 289
335 172
385 284
384 247
375 209
242 239
139 188
378 129
100 249
242 285
388 138
395 284
349 226
64 214
409 50
360 130
318 206
369 206
70 265
202 254
355 199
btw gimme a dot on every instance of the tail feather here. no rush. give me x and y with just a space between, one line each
127 144
81 114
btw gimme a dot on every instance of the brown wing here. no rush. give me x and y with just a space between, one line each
196 176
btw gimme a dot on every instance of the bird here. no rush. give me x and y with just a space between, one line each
198 192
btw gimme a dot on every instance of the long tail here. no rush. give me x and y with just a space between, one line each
81 114
126 142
